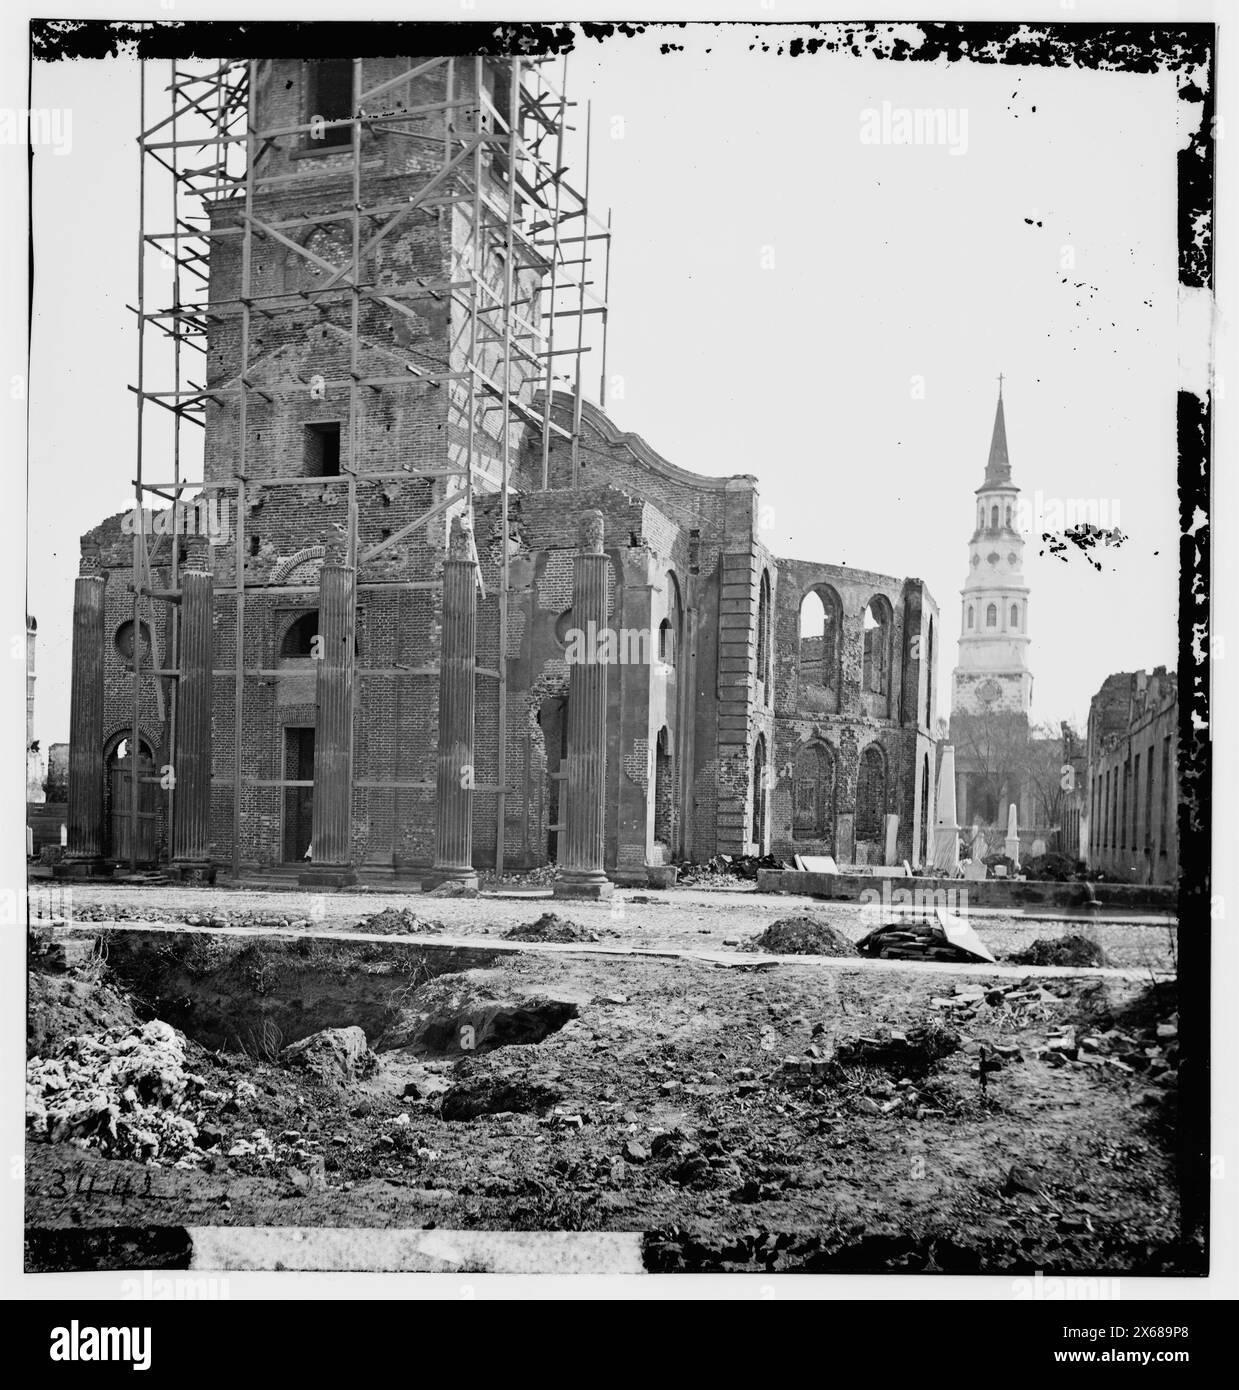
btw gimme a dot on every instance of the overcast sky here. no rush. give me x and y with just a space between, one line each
788 300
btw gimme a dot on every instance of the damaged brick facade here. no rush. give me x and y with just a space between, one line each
1132 791
706 727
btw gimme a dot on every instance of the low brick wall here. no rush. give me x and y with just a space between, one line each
990 892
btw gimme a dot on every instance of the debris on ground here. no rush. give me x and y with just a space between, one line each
476 1091
541 877
1072 951
451 890
123 912
551 927
723 870
903 1053
332 1055
916 936
801 936
122 1091
400 921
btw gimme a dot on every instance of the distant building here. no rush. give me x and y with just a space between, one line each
34 761
1133 777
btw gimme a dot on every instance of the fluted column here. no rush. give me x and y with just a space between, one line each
191 857
331 864
85 852
455 778
581 866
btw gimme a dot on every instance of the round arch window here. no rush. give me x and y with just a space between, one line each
124 644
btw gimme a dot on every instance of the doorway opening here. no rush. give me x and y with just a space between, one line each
298 801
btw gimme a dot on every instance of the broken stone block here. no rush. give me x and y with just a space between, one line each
334 1055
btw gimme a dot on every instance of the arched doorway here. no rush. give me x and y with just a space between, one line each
553 720
119 769
759 793
813 796
871 803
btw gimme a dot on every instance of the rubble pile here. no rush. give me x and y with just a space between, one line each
551 927
905 1053
924 938
399 921
451 890
801 936
1061 950
541 877
123 1091
724 870
120 912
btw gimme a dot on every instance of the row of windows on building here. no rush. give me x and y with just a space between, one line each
1116 801
814 792
991 616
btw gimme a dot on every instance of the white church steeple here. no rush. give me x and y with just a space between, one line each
993 674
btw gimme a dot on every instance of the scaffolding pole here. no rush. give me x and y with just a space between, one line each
492 165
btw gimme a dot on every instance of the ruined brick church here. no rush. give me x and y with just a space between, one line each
360 668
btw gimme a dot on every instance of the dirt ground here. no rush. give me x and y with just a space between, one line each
675 919
700 1103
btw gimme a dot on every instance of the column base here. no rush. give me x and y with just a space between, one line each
192 871
582 884
458 878
82 868
327 876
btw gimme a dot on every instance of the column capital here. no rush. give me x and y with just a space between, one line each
591 532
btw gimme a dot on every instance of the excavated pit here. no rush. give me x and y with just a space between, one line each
230 994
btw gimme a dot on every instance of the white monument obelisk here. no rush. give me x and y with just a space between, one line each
1012 842
946 829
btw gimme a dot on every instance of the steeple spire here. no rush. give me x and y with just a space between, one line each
998 469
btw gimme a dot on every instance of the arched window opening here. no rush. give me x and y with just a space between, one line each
666 641
299 639
970 615
993 518
1008 516
870 794
813 794
1015 616
813 638
664 789
991 615
875 667
929 678
759 793
763 633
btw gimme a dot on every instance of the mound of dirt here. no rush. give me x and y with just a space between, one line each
62 1007
911 1053
478 1092
1061 950
550 927
400 921
451 890
801 936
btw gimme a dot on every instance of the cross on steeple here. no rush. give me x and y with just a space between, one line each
1000 381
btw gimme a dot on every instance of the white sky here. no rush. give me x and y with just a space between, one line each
889 263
